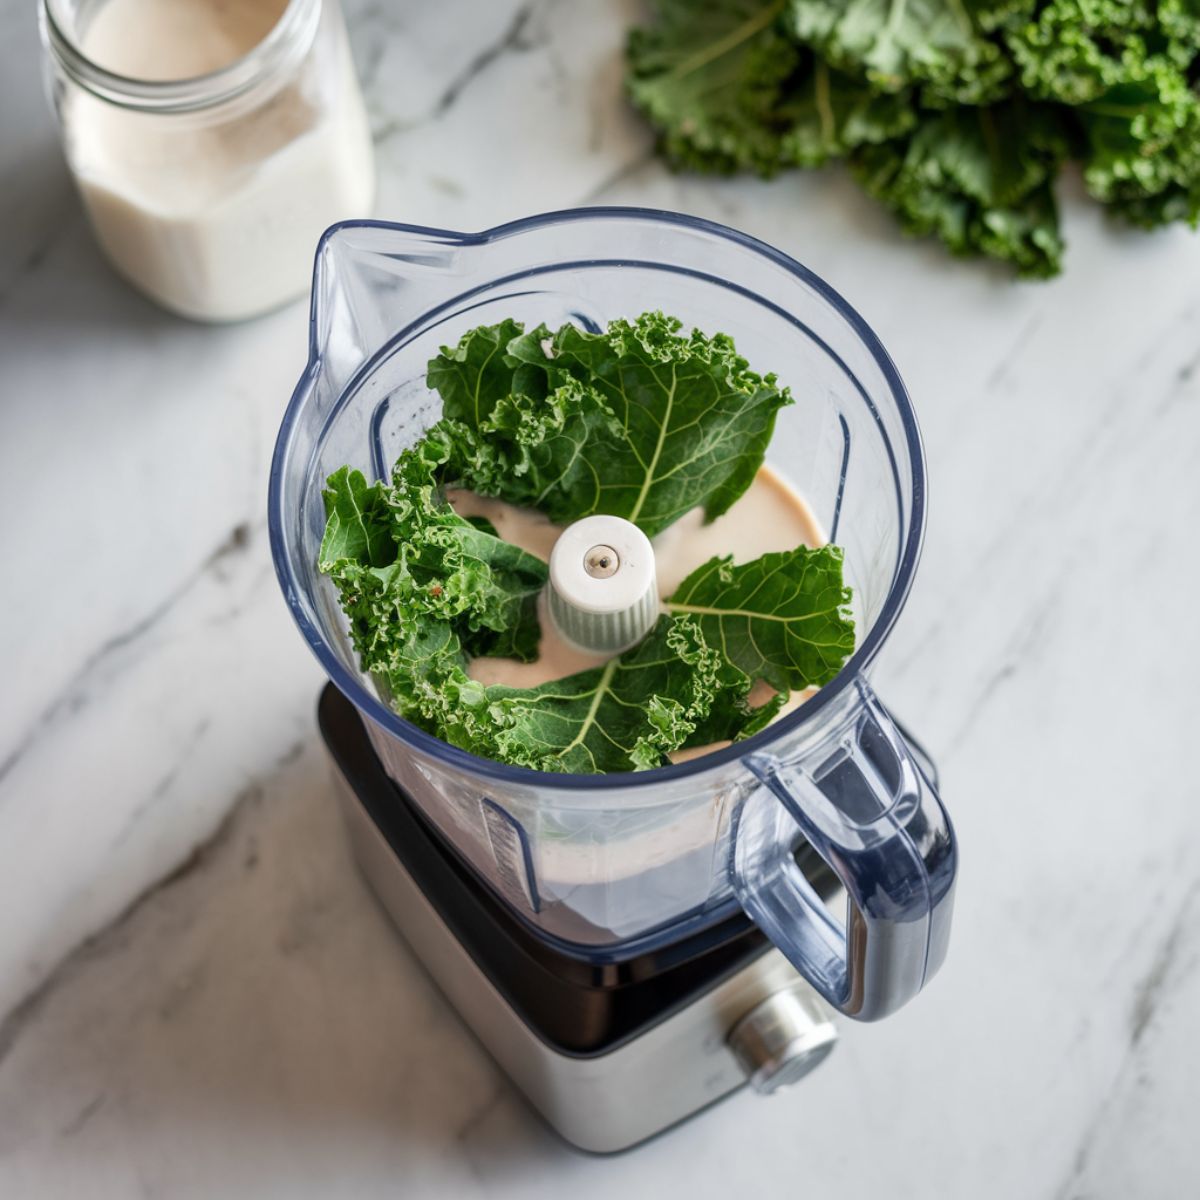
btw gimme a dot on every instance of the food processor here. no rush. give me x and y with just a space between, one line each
632 947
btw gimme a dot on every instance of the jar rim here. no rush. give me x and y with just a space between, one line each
288 41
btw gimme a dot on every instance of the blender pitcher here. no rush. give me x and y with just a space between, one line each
608 866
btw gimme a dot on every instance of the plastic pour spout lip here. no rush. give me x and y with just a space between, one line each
603 592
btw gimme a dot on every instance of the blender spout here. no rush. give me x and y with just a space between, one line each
371 282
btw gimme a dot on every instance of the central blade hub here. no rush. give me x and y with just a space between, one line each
603 594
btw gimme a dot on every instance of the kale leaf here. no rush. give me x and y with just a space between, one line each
729 89
783 618
941 44
710 76
828 113
629 713
978 178
412 558
956 114
637 421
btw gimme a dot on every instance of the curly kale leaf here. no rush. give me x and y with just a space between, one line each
409 557
424 591
638 421
943 45
1142 136
1123 68
709 77
358 526
1073 51
1174 203
783 618
1179 21
755 85
829 113
628 714
978 178
728 89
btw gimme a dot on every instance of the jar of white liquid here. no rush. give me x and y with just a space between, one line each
212 140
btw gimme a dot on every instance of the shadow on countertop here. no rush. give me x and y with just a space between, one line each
56 287
253 1018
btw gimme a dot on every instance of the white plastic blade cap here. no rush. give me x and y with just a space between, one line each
603 594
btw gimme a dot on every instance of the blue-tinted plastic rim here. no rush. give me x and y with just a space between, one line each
353 685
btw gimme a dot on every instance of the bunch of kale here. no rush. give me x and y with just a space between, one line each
956 114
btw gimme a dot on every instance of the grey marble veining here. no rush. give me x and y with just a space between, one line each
197 995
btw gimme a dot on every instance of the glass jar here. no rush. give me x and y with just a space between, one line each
210 167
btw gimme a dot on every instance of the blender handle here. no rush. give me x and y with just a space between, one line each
867 808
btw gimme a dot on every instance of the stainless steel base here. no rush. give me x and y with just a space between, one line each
609 1102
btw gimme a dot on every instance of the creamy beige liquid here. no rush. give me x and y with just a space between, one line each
769 516
215 214
177 39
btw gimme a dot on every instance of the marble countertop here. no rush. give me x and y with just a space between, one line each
199 998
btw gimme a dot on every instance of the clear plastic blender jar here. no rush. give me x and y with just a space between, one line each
609 866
